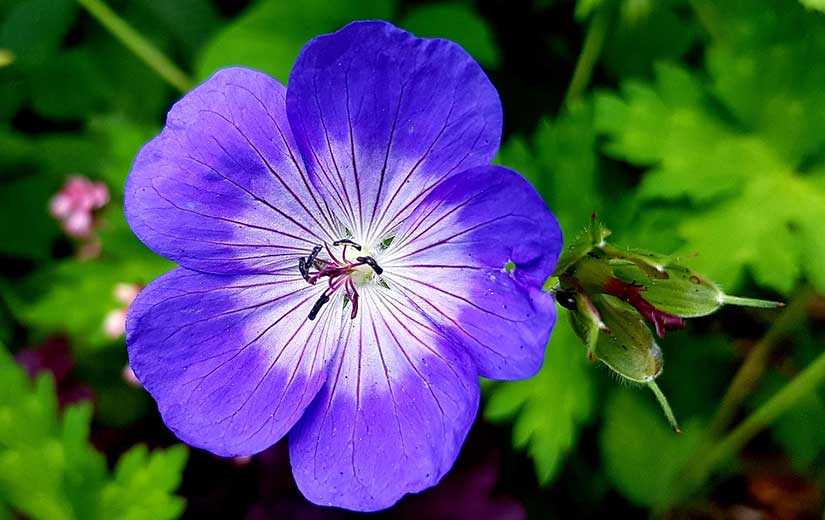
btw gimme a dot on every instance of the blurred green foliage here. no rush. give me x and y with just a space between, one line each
49 470
703 132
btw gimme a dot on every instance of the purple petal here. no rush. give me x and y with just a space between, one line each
381 116
450 258
391 419
220 189
231 360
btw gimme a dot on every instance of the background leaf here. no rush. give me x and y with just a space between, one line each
269 34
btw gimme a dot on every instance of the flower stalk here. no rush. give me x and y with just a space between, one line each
589 56
140 46
706 460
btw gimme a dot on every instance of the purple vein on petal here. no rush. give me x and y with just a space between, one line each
294 161
269 167
225 219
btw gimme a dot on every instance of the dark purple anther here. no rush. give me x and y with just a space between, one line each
317 307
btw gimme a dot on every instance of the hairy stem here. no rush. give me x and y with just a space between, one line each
589 55
142 48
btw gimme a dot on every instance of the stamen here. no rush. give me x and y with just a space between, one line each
312 256
339 273
346 242
317 307
303 268
370 261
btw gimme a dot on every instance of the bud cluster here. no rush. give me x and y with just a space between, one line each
611 292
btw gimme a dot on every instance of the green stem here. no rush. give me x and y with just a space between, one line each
665 405
803 384
589 56
708 454
142 48
756 361
750 302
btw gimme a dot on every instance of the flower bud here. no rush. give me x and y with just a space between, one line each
611 292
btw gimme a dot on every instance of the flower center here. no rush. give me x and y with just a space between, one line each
344 271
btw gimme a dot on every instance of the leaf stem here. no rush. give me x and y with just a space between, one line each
140 46
589 55
709 454
803 384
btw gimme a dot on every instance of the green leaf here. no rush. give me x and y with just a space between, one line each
74 296
641 454
49 470
34 29
190 22
143 485
122 138
648 31
67 86
561 163
736 182
27 200
814 5
762 72
459 23
549 409
270 33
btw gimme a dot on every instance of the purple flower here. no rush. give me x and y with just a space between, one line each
346 255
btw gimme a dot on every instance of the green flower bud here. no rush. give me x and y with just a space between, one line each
681 291
611 292
627 346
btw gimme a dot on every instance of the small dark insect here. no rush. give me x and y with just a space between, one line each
567 299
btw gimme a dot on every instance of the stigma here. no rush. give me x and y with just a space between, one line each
342 272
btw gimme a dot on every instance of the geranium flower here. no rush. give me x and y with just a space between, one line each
350 263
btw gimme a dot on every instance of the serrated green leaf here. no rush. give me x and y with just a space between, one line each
736 182
459 23
143 485
762 72
549 409
49 470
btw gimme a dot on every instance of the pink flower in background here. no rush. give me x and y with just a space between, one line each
75 203
114 325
